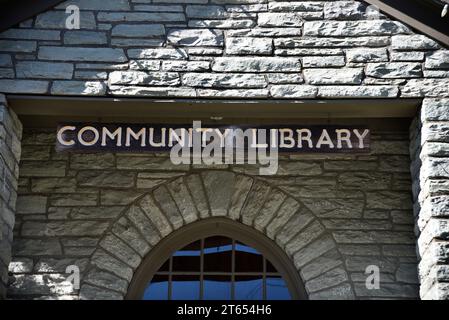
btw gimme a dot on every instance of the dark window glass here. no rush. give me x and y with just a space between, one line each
185 287
247 259
188 258
218 254
165 266
270 267
217 287
217 268
277 289
157 289
248 287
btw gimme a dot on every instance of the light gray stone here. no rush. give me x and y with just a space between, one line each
18 46
206 12
358 91
328 42
284 19
119 197
111 179
76 37
265 32
23 86
183 200
56 19
233 93
97 5
146 228
328 279
345 10
88 292
138 30
106 280
165 201
293 91
152 91
140 17
56 284
89 88
56 185
64 228
335 208
333 76
222 24
53 265
354 28
367 55
31 204
185 65
81 54
21 265
5 60
162 53
340 292
313 251
44 70
413 42
256 64
105 261
438 60
283 78
229 80
323 62
218 186
394 70
388 290
246 45
159 220
144 78
31 34
407 56
37 247
295 6
121 250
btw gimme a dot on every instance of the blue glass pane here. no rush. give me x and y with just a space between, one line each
157 289
217 287
248 288
277 289
185 287
244 248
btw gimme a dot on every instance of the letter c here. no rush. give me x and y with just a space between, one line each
61 132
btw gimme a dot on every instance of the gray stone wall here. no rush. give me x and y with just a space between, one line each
222 49
430 143
10 135
332 214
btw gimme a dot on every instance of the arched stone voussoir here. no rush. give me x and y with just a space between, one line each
215 194
106 280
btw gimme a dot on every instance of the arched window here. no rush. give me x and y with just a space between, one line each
215 259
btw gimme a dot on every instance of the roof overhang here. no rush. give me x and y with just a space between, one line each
50 110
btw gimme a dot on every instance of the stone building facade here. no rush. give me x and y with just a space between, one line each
332 214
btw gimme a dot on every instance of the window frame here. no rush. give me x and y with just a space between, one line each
216 226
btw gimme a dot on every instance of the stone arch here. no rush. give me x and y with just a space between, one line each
216 193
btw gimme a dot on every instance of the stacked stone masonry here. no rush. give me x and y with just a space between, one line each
222 49
431 187
10 136
333 215
67 212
